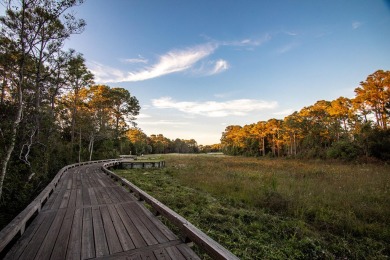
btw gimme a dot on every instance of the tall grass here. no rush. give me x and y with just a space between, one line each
270 208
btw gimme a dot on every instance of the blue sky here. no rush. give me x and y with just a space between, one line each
199 66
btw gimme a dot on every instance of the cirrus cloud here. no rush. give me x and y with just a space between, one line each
237 107
140 59
177 60
173 61
356 25
219 66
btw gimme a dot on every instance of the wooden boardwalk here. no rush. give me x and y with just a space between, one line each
89 216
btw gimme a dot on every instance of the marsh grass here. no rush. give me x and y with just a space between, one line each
277 209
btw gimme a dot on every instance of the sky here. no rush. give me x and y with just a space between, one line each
198 66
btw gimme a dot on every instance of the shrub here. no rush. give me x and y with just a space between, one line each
343 150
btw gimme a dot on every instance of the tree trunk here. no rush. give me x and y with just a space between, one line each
19 112
91 142
80 146
263 144
295 145
74 112
3 86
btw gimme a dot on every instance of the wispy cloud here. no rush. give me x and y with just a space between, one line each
174 61
209 68
291 33
171 62
219 66
288 47
356 25
140 59
248 42
238 107
104 73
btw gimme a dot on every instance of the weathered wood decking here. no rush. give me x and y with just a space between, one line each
89 216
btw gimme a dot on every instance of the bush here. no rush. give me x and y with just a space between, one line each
379 144
343 150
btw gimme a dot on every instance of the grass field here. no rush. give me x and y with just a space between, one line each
278 208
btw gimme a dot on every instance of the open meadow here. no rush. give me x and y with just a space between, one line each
278 208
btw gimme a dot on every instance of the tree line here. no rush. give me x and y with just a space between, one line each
342 128
140 143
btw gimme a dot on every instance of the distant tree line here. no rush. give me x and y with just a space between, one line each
140 143
343 128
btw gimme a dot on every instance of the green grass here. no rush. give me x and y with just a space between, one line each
278 209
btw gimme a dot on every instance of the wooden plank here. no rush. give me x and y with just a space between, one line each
102 183
56 204
125 194
87 239
164 229
187 252
161 254
50 239
22 243
72 198
154 229
119 196
112 238
98 195
148 256
111 191
123 236
130 227
85 196
141 251
106 179
51 200
65 199
74 247
134 257
101 245
92 196
33 246
79 198
78 179
106 197
70 181
61 245
174 253
74 180
212 248
143 230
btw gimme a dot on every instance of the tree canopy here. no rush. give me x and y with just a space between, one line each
343 128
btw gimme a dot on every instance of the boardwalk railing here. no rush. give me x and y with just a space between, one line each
189 231
18 225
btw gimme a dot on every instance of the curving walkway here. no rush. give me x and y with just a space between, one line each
88 216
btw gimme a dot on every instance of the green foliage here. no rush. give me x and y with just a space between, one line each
379 144
278 209
343 150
